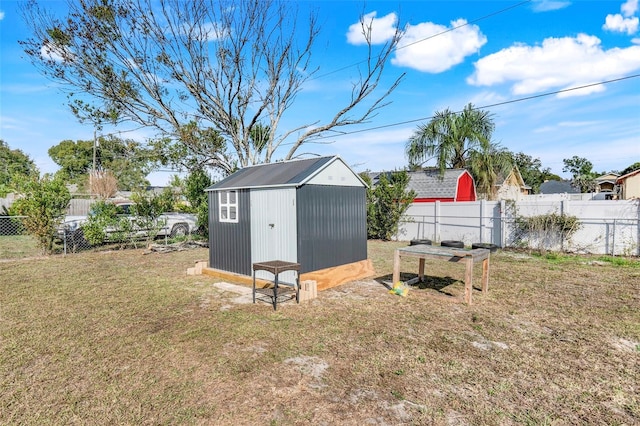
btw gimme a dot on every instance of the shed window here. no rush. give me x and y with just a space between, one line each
228 202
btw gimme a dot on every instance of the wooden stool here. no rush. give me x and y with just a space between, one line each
275 267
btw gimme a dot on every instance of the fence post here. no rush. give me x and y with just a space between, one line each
613 239
638 231
436 220
503 215
563 212
483 205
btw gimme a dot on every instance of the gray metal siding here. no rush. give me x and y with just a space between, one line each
230 243
332 226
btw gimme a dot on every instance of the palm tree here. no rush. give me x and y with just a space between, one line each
450 137
486 165
459 140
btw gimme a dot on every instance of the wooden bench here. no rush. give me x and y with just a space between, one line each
449 254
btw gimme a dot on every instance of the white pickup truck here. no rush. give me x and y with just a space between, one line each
168 224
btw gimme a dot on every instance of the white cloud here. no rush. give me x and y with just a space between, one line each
382 29
214 31
625 22
450 48
1 15
620 24
548 5
558 63
56 53
487 98
629 8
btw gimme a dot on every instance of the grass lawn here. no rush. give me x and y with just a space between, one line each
18 247
123 337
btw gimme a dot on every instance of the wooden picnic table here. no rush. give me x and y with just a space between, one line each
449 254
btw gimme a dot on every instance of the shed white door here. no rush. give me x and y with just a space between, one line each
274 228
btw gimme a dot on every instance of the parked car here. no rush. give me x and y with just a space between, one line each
604 195
170 224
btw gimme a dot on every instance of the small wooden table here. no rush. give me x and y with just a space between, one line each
449 254
275 267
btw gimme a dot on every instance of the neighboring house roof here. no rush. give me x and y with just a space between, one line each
430 185
514 177
630 185
282 174
609 177
511 186
558 187
622 178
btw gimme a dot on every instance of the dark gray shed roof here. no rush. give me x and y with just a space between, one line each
429 184
286 173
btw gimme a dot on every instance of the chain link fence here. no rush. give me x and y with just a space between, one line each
16 243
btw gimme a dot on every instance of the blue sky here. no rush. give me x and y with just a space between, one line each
453 53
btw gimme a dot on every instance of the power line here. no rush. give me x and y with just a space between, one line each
448 30
526 98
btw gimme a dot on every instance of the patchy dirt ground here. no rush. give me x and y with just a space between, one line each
128 338
422 360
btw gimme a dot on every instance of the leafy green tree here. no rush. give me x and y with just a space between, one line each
582 174
485 166
74 158
230 65
195 148
531 170
126 159
43 202
460 141
193 187
387 201
13 164
632 168
196 184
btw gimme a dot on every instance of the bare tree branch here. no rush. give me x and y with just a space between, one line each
234 67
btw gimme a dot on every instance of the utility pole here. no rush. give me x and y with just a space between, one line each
95 142
93 169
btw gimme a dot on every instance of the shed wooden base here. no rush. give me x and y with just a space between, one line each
333 277
325 278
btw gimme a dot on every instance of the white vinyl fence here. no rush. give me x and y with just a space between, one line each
605 227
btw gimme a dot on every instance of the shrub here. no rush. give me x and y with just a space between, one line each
547 230
387 201
43 202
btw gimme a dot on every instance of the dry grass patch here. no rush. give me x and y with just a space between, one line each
126 338
18 247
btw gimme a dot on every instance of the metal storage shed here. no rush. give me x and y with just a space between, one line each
311 211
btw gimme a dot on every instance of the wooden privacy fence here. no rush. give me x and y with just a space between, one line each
603 227
77 206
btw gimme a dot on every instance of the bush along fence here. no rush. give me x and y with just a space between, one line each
594 227
70 237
